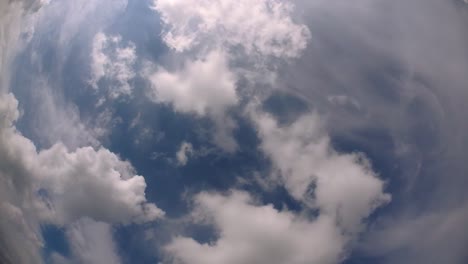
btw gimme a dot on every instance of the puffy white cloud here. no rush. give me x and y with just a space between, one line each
113 62
60 186
340 185
55 185
259 26
211 33
342 188
95 184
85 182
205 87
252 233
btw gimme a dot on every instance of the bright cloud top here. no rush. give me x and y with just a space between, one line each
260 26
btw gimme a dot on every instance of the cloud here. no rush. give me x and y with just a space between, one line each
73 184
252 233
12 16
340 185
185 151
60 187
53 119
19 242
78 184
208 35
205 87
341 188
56 185
92 242
114 63
412 95
261 26
46 186
399 239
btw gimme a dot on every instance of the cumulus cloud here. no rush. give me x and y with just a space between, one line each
45 186
252 233
260 26
205 87
78 184
113 62
210 32
341 185
56 185
60 187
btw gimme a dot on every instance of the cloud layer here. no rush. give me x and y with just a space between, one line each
55 185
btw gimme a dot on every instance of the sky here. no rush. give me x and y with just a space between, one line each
233 131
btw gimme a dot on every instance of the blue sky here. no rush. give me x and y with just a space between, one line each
236 132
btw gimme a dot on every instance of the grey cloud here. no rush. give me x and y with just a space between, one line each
405 64
92 242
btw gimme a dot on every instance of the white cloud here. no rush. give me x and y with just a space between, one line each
58 186
259 26
211 33
95 184
205 87
113 62
55 185
340 185
184 153
252 233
